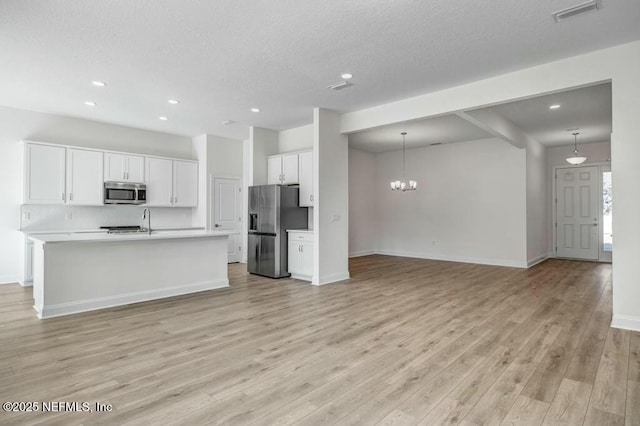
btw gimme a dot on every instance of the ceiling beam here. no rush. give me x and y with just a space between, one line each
490 121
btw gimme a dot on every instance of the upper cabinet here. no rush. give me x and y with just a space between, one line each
58 174
305 171
171 183
44 174
282 169
159 180
84 177
123 167
291 169
185 183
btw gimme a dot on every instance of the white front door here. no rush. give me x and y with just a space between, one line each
227 204
577 212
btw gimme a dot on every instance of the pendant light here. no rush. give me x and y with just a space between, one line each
576 159
403 185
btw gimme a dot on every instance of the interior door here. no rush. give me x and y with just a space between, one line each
227 205
577 212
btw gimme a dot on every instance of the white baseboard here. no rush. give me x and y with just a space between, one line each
125 299
301 277
362 253
626 322
8 279
328 279
539 259
26 283
462 259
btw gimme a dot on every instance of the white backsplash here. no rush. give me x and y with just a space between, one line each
63 218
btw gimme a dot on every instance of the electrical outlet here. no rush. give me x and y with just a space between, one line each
69 216
26 216
335 218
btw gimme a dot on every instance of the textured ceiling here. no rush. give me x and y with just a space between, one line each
444 129
588 109
220 58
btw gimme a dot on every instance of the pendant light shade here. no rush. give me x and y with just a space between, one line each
576 159
403 185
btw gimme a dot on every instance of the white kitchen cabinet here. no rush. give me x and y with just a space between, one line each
282 169
274 170
85 184
123 168
171 183
306 178
185 183
44 174
159 180
300 255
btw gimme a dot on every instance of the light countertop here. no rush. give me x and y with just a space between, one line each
304 231
103 236
30 232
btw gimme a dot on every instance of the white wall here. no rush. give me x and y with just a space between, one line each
363 231
330 186
618 64
470 205
296 139
538 225
16 125
262 143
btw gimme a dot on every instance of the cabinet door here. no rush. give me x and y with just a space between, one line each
294 254
159 180
115 167
274 170
135 169
44 174
185 184
306 262
84 177
306 178
290 169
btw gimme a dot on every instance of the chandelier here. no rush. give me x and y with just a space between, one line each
576 159
403 185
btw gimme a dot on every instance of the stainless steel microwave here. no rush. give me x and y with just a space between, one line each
125 193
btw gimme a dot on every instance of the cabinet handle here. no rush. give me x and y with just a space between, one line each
175 200
63 196
311 198
301 248
71 196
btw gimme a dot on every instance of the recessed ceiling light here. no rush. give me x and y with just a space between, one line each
173 101
89 103
556 106
163 118
255 109
98 83
346 76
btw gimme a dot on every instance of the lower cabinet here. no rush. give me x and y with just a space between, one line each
300 248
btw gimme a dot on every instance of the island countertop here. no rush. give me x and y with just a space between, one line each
103 236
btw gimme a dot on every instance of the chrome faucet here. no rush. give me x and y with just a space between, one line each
146 214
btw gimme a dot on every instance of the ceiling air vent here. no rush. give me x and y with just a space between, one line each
590 6
340 86
435 144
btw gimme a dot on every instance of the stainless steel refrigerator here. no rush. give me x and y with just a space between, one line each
272 210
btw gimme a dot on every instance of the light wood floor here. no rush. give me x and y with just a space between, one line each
405 341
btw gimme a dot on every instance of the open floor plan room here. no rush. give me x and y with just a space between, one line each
404 341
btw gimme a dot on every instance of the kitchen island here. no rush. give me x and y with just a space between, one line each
79 272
